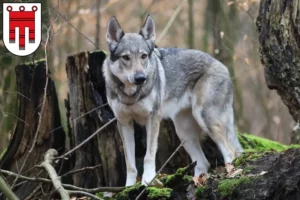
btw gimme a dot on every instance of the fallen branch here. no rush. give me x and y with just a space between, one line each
7 191
47 164
67 186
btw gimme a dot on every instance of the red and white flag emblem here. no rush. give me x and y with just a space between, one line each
22 27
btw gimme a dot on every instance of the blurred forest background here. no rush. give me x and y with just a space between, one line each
225 29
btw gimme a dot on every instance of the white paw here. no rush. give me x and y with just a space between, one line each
147 177
131 179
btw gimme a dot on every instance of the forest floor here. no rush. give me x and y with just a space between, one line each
266 170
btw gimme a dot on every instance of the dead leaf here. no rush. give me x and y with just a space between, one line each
229 167
203 178
247 61
234 173
263 172
196 181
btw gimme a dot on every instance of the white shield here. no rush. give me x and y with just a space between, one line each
22 27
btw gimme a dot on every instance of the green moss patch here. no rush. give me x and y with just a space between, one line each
201 191
128 192
255 143
226 186
158 193
246 157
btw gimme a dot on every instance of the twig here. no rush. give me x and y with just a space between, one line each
171 20
19 93
8 113
78 31
41 111
80 170
47 164
84 193
87 139
7 191
67 186
79 117
162 167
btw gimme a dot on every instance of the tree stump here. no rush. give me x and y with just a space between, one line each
30 87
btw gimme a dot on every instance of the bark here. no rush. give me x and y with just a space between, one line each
274 176
278 25
30 84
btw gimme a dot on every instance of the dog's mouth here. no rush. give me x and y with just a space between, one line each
129 91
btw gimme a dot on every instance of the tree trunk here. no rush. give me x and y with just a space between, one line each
278 25
30 85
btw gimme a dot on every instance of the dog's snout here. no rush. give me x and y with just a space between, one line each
139 78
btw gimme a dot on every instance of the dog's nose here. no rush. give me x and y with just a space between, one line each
139 78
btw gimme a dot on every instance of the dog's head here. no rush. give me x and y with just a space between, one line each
130 53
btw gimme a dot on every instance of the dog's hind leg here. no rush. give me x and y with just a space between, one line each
188 129
212 109
127 135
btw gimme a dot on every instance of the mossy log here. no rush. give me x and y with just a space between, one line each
270 171
278 25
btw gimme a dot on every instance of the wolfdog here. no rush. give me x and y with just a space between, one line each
145 84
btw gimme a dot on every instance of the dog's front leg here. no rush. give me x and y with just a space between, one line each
152 128
127 135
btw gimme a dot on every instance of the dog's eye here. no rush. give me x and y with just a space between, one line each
125 57
144 56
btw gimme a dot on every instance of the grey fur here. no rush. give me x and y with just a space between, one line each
188 86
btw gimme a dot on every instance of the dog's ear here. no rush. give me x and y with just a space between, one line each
148 29
114 32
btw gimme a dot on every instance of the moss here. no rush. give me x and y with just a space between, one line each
158 193
226 186
201 191
255 143
170 179
247 170
187 178
124 194
247 156
100 194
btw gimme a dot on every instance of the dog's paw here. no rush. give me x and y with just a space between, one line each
147 177
130 181
154 183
